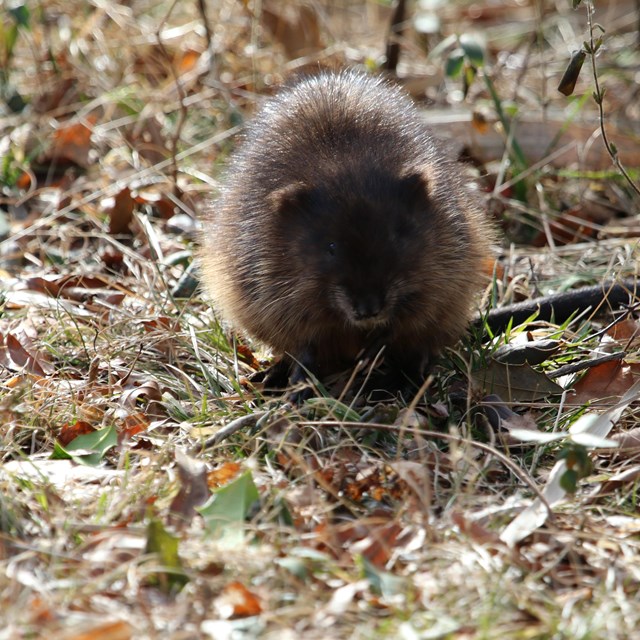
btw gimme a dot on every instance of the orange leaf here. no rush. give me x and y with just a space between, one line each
223 474
71 143
479 122
133 424
118 630
70 432
188 60
236 601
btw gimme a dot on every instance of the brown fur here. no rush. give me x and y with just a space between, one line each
341 222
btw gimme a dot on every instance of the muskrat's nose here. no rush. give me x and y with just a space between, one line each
368 306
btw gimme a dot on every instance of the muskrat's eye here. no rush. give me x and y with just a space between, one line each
331 248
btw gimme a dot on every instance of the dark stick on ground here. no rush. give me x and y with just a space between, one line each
559 307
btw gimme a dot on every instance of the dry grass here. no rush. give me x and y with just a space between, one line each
331 520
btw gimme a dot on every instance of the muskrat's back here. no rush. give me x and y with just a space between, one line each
341 224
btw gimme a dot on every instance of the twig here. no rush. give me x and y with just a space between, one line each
182 115
598 96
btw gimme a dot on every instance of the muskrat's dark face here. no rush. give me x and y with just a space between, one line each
358 254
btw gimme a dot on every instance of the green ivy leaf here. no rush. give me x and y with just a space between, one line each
472 50
225 513
165 546
454 63
569 481
89 448
21 15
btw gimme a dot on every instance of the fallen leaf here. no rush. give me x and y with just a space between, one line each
531 352
605 383
626 332
193 491
18 352
133 424
236 601
121 214
71 143
474 530
514 383
119 630
69 432
89 448
501 416
165 545
628 439
224 474
295 26
225 513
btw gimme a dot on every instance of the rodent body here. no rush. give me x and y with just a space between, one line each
342 224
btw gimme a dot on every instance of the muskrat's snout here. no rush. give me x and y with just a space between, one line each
362 307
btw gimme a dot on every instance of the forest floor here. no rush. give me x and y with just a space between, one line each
149 489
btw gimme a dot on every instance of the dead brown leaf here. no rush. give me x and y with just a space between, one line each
119 630
628 439
236 601
121 214
474 530
606 382
72 143
626 332
629 476
18 352
194 489
375 537
133 424
295 26
501 416
224 474
71 431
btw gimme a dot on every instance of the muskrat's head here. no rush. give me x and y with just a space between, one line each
358 247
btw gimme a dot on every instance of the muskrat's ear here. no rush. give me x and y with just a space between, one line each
415 186
290 199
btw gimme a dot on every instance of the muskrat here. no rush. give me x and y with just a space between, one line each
342 226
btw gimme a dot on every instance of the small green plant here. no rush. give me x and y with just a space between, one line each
465 59
18 18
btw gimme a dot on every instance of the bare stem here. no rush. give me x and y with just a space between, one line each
598 94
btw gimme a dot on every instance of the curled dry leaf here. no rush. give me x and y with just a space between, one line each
628 439
121 213
223 475
236 601
118 630
70 432
501 416
72 143
194 490
18 352
474 530
605 383
629 476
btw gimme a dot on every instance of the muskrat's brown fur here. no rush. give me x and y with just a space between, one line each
342 225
